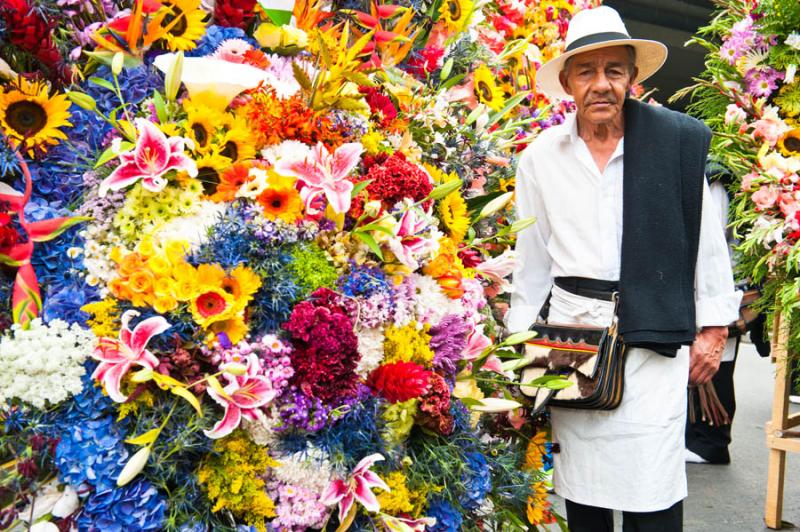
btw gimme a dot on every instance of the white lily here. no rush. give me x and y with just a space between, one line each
495 404
134 466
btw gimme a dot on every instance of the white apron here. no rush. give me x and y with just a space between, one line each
631 458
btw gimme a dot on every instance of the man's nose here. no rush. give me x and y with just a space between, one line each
601 82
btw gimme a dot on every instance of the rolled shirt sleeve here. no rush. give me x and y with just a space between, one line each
531 278
716 298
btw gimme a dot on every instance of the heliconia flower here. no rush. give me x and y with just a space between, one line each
324 173
153 156
116 357
476 343
358 488
242 396
407 243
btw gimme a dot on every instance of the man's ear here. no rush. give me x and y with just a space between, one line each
634 75
562 78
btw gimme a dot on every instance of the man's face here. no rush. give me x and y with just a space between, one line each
598 82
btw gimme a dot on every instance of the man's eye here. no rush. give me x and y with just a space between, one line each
615 73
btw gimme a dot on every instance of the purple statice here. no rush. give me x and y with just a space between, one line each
297 507
137 507
761 82
100 209
448 340
298 410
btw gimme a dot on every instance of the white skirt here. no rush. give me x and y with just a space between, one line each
631 458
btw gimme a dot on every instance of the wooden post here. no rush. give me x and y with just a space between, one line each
779 439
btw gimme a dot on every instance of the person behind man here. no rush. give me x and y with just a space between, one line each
622 206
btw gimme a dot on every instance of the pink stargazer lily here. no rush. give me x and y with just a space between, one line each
117 357
324 173
497 269
153 156
242 397
357 489
407 243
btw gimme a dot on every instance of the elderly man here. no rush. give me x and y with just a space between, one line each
622 205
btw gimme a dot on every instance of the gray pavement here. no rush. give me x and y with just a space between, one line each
731 498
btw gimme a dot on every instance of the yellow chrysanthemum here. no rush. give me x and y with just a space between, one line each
186 22
486 90
30 117
209 170
455 14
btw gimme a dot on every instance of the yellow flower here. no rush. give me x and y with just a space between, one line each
372 142
28 116
453 213
281 199
234 328
211 305
789 143
538 507
164 303
186 22
399 499
456 14
236 143
486 90
201 124
105 318
535 452
209 276
209 169
408 344
242 284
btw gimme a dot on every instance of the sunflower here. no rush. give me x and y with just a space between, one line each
28 116
234 328
789 143
534 454
453 213
210 168
456 14
183 21
200 128
486 90
236 142
242 283
281 199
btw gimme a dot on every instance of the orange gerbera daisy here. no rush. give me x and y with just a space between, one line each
230 181
281 199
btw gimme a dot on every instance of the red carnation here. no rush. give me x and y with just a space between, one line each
399 381
425 61
234 13
397 179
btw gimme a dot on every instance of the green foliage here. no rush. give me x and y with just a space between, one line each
311 268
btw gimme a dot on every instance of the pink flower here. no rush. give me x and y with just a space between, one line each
476 342
734 114
747 181
153 156
407 243
242 396
765 197
323 173
357 489
497 269
788 204
116 357
232 50
769 129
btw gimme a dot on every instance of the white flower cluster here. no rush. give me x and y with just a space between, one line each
370 347
308 469
99 240
43 363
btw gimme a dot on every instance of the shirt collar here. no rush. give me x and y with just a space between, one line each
568 131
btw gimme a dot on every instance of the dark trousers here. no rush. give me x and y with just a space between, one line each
711 441
582 518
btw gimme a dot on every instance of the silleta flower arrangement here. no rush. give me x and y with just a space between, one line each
249 254
750 96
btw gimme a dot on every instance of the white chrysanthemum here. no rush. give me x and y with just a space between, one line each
261 430
192 229
793 40
308 469
288 149
370 347
43 363
431 302
98 242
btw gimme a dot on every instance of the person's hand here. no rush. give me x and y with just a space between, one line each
706 353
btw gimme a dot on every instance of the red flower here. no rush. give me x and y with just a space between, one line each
397 179
434 408
210 304
234 13
8 235
381 108
29 30
399 381
425 61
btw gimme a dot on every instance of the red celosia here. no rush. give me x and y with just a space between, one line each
397 179
434 407
325 349
381 107
234 13
399 381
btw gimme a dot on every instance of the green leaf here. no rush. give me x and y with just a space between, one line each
146 438
469 402
301 77
358 187
83 100
102 83
106 156
558 384
519 225
376 227
370 242
475 114
510 104
518 338
445 189
323 50
452 81
161 106
359 78
446 69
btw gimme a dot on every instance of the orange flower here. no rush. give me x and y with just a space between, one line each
283 203
230 181
141 281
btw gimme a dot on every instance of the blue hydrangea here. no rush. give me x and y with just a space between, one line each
135 84
477 480
88 128
59 177
448 519
91 452
90 404
213 38
132 508
65 302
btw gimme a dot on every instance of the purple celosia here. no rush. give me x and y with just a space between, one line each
448 339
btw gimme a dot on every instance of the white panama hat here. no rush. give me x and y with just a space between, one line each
591 29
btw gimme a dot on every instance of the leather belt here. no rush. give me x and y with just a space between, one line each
591 288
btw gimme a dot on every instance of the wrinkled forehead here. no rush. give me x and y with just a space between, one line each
608 56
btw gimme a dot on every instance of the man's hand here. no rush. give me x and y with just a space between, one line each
706 353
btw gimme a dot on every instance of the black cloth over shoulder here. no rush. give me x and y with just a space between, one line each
663 174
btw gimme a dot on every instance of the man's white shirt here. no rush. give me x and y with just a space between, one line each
578 231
